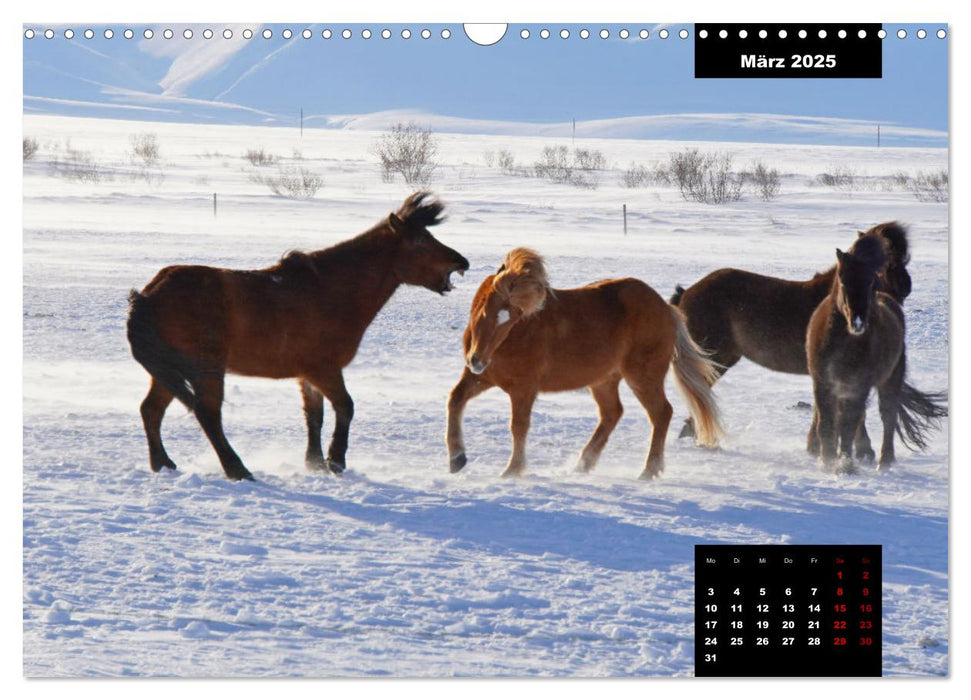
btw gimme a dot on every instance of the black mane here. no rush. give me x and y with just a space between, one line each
416 211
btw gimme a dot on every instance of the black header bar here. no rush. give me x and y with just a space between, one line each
788 51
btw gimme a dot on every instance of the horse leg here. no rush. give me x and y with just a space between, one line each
861 442
608 403
330 383
889 398
647 383
313 410
153 409
209 392
850 413
826 424
469 386
522 409
723 362
812 439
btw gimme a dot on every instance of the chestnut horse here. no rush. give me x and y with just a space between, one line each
855 342
526 338
734 314
303 317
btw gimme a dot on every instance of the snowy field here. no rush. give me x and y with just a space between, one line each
400 568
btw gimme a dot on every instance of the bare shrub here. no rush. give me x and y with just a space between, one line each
587 159
635 176
292 182
145 158
489 158
30 148
506 162
581 168
705 177
259 157
767 182
842 178
78 166
930 187
638 175
144 149
899 180
407 150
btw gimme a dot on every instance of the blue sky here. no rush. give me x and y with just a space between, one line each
535 80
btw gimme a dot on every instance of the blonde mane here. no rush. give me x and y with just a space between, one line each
522 279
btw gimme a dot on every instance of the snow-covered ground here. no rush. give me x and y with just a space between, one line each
400 568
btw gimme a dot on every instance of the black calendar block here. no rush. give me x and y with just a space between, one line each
788 610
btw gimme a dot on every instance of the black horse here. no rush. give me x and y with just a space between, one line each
855 342
734 313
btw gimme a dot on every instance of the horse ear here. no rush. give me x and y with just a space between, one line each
501 268
394 222
860 234
840 255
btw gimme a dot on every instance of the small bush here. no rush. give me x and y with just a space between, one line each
636 176
293 183
506 162
409 151
705 177
489 158
842 178
930 187
259 157
145 158
585 159
767 182
144 150
30 148
78 166
581 168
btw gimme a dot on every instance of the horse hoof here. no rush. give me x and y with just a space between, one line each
845 465
866 455
315 464
649 475
687 430
157 465
511 473
336 467
457 463
242 476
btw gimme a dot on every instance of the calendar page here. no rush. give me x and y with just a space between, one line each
511 350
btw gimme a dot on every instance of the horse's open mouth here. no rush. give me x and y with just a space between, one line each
447 285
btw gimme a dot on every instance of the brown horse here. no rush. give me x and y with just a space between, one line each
526 338
734 314
855 342
303 317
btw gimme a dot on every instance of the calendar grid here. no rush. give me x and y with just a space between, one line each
788 610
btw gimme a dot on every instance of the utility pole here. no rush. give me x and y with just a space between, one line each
213 203
625 219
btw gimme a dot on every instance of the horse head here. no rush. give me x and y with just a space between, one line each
420 259
518 290
857 277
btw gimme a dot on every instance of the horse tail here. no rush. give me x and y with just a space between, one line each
171 368
676 297
694 374
919 413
